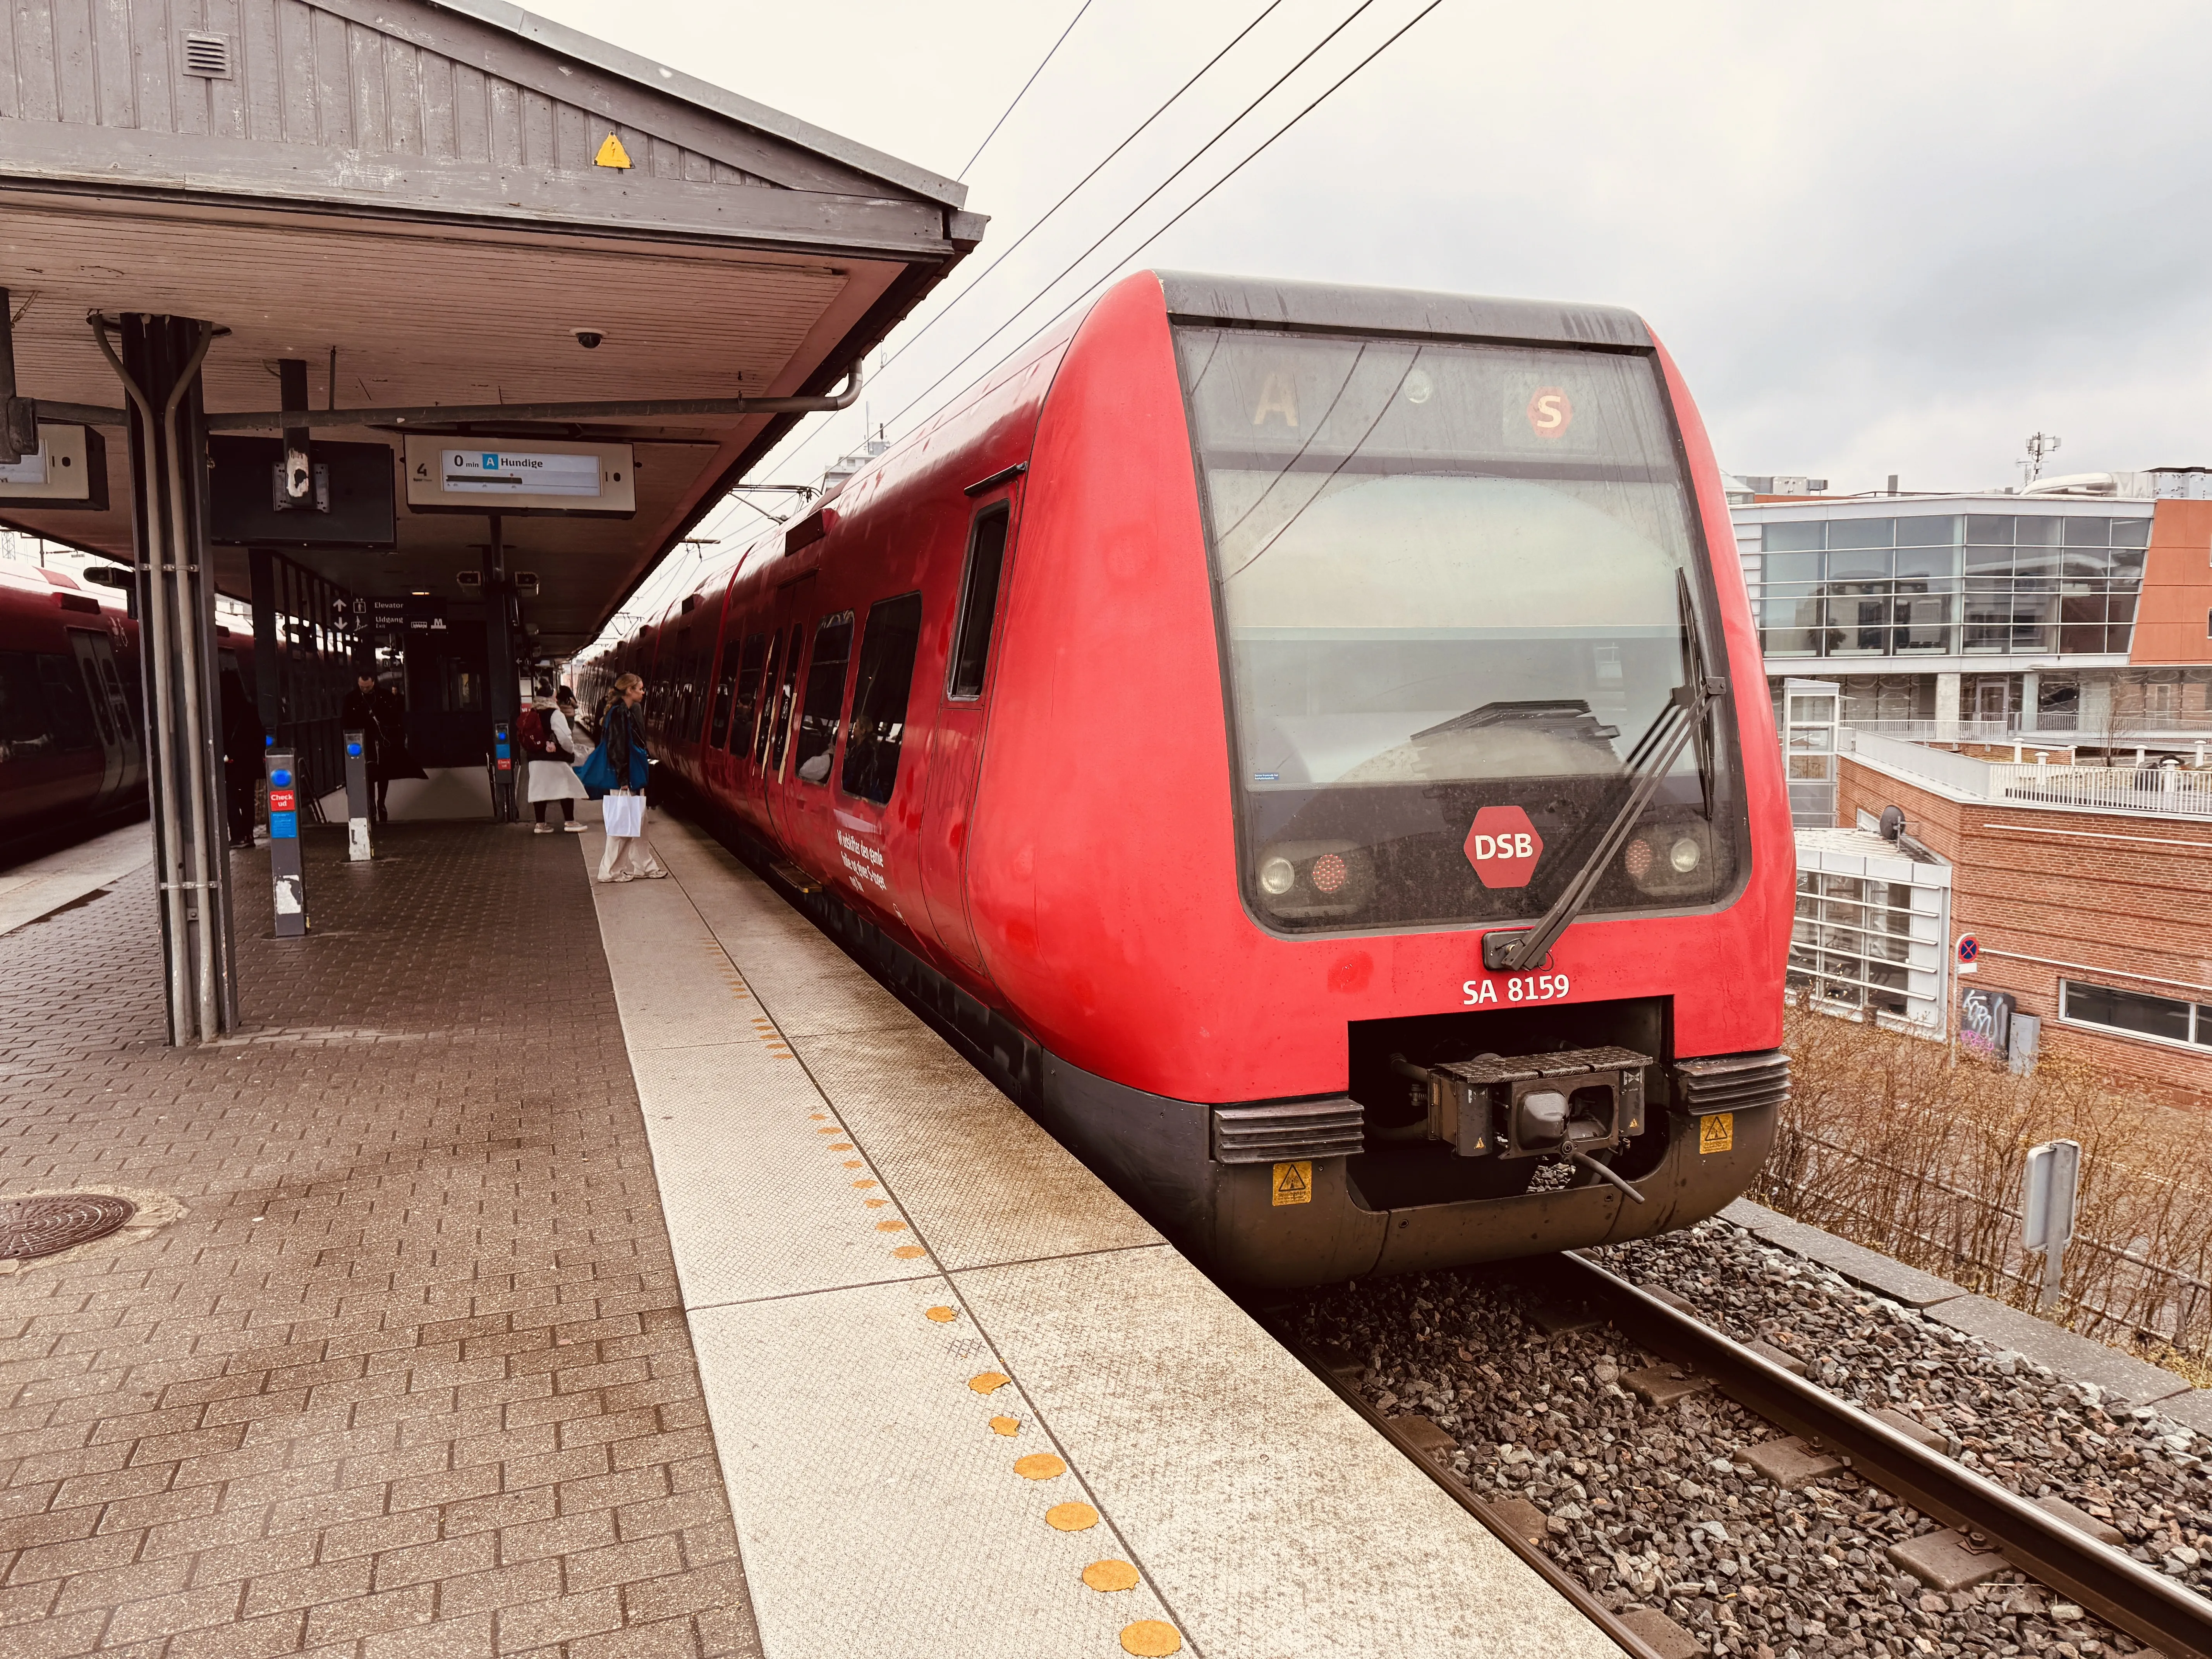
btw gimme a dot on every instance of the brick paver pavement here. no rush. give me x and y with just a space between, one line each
410 1377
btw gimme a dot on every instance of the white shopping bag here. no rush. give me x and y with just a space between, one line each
625 814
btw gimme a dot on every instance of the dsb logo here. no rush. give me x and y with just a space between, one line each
1503 846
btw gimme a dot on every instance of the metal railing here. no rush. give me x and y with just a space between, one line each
2111 1289
2118 732
2165 791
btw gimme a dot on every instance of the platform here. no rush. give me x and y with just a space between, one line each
930 1339
621 1273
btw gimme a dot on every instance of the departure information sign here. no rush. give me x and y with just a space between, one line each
552 478
519 473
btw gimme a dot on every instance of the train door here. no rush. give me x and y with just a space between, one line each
956 744
792 602
802 794
111 714
736 706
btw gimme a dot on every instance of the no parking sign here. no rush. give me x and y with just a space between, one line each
1970 954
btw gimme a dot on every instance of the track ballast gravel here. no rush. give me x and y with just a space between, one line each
1655 1507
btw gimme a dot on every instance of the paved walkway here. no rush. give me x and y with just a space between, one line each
398 1366
43 886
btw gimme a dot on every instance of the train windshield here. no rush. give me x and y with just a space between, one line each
1458 591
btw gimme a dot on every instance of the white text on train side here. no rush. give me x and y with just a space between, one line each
1519 987
865 862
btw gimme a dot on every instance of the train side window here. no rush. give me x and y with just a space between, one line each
784 690
726 688
748 692
979 602
879 700
23 728
67 712
825 698
767 700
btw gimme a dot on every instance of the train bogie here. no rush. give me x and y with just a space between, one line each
1253 719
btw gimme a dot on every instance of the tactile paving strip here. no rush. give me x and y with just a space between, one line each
1220 1500
893 1490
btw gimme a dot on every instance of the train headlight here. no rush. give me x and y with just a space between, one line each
1685 855
1277 878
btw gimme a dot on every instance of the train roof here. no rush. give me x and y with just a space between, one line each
1268 302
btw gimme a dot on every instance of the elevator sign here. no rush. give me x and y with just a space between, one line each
542 476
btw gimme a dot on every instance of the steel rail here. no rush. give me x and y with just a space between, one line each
1570 1587
2118 1588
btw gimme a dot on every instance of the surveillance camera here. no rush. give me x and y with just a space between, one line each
588 338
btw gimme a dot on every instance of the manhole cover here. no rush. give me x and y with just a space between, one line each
33 1227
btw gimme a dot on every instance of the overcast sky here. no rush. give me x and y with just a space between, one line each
1877 238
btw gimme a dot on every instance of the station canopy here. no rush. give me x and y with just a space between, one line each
427 203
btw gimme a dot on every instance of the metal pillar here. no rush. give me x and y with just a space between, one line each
500 700
268 693
158 360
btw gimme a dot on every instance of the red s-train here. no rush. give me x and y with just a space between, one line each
70 752
1216 721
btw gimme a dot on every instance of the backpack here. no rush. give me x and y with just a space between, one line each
537 737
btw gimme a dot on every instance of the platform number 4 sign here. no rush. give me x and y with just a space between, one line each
1294 1183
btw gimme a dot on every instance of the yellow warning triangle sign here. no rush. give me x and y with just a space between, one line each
1293 1179
611 154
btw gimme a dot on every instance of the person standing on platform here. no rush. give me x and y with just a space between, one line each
617 773
376 713
244 738
553 754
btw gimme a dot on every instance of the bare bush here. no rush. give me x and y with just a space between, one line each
1886 1141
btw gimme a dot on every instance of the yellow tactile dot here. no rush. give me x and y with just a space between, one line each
1151 1638
909 1252
850 1162
843 1146
941 1315
864 1184
891 1226
1007 1425
829 1129
1071 1517
875 1203
818 1117
988 1381
1039 1465
1110 1576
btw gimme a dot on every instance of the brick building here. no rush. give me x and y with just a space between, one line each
2097 918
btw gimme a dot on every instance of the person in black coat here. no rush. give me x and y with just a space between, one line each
244 738
377 713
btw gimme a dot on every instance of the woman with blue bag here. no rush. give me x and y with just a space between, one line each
617 773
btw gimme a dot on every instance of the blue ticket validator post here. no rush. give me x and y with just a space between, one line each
358 806
503 773
288 880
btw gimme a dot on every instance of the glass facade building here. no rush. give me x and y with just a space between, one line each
1949 585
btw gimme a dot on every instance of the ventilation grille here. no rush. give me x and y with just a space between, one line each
1298 1129
1734 1082
208 55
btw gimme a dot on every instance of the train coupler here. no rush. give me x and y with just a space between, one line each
1569 1103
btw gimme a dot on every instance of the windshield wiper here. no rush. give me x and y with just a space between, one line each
1685 719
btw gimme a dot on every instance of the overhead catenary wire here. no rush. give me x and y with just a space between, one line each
1039 223
1026 85
1184 212
1179 215
1153 195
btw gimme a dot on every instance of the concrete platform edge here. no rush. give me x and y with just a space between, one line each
2070 1355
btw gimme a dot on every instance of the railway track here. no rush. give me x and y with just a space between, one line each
2123 1592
